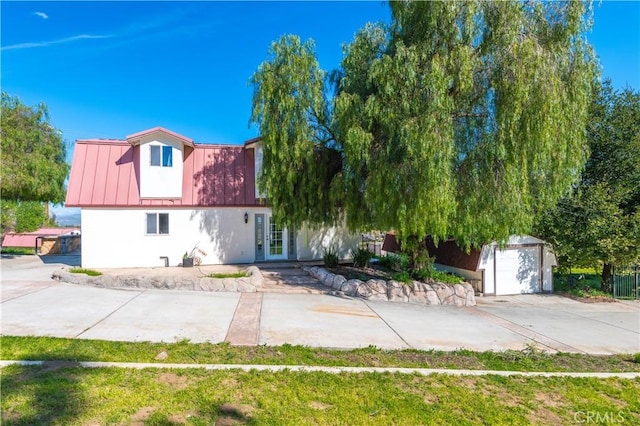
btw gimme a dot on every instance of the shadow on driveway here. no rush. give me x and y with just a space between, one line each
72 259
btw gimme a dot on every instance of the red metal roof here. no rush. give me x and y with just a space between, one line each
28 239
105 173
135 138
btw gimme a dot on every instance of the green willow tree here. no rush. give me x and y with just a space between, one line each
33 154
599 222
459 119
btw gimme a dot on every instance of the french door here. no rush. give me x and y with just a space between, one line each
276 240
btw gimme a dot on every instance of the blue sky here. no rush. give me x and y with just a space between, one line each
109 69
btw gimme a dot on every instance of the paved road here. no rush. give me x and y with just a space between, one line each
34 305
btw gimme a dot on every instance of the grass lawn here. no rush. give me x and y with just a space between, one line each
67 395
62 393
18 250
51 349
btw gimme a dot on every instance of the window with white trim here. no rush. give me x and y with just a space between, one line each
161 155
157 223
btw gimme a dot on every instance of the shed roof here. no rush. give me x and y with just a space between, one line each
28 239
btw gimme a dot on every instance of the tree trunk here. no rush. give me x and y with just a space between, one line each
606 278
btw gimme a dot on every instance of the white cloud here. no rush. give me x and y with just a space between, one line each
50 42
41 14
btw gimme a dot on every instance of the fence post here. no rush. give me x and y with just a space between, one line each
635 279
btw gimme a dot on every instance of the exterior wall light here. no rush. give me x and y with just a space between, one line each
246 217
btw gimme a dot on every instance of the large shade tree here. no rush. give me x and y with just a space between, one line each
33 153
461 119
598 223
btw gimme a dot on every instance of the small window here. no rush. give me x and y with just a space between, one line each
167 153
155 155
157 223
164 160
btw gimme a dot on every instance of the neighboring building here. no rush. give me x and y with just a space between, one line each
524 265
158 194
45 240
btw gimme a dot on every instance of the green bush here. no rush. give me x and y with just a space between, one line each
18 250
361 257
395 261
89 272
330 257
422 274
439 276
402 276
240 274
444 277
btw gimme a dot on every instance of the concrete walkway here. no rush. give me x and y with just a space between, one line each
318 368
32 304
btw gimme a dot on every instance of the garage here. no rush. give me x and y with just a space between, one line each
521 265
518 270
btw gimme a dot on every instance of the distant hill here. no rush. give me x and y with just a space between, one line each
68 219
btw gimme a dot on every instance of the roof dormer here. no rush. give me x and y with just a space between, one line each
161 157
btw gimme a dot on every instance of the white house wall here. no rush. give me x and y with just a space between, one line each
486 265
311 243
547 270
116 237
158 181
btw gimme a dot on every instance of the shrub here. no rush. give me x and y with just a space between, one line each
240 274
361 257
402 276
89 272
395 261
421 274
330 258
18 250
444 277
439 276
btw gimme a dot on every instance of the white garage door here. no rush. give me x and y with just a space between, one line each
518 270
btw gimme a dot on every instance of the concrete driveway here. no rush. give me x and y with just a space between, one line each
32 304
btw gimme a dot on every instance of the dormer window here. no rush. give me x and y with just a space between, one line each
161 156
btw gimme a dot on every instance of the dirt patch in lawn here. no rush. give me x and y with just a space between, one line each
173 380
142 415
234 414
316 405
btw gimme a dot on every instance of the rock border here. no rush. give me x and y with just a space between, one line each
434 293
249 284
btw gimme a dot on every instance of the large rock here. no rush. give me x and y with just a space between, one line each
374 290
338 280
445 293
350 287
230 284
328 279
397 292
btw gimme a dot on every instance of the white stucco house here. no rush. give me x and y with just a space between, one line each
523 265
157 194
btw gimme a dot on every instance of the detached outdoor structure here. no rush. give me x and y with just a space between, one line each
524 265
46 240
